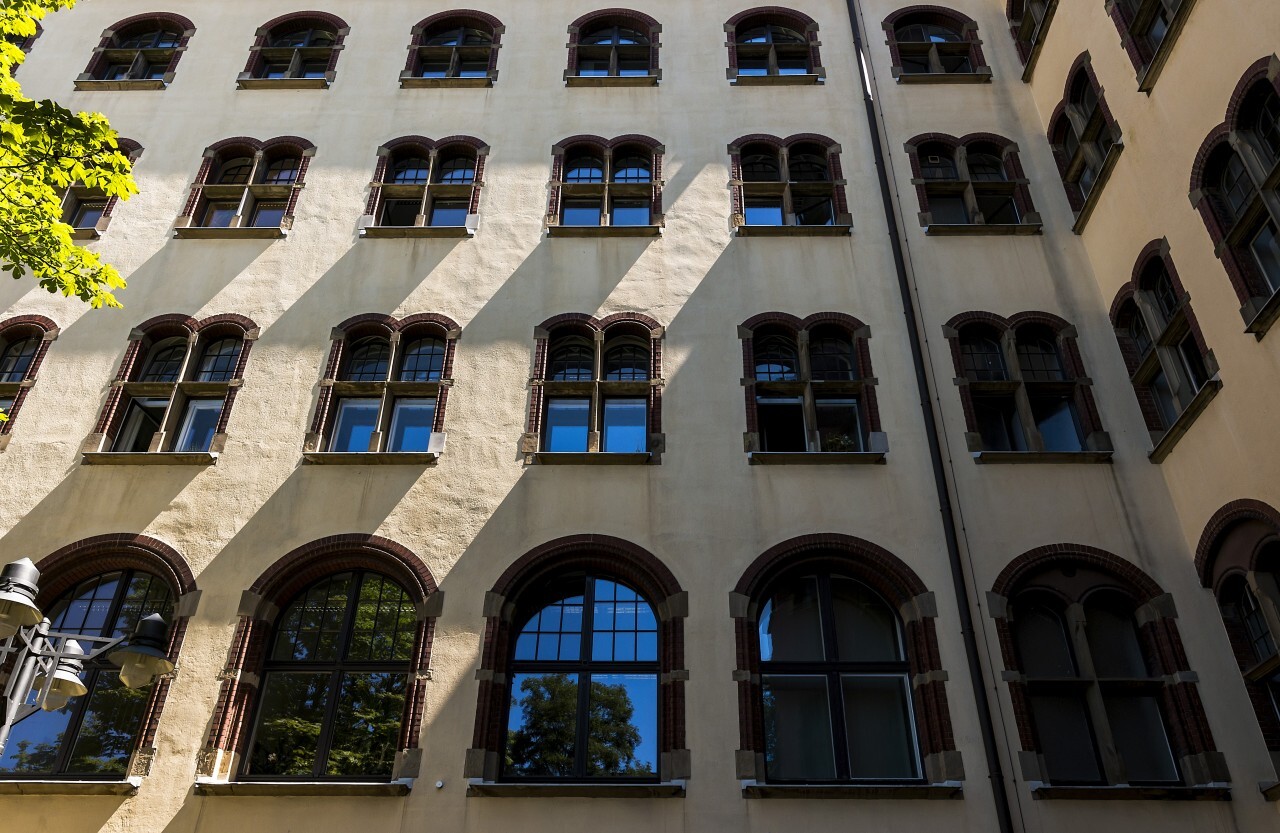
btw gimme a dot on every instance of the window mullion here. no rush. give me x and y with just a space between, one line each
325 743
1112 765
72 733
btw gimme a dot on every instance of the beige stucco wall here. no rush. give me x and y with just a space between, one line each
703 511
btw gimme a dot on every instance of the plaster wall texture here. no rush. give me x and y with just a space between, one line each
703 511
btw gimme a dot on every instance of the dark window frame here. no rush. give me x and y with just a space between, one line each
248 190
609 190
787 192
969 187
141 61
264 55
1086 140
616 19
429 193
774 16
967 46
421 53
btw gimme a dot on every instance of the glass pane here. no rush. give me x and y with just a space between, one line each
88 214
776 358
585 169
1113 643
369 361
866 627
624 628
85 609
752 65
411 424
792 65
218 364
998 209
1038 357
622 729
385 626
140 425
1043 645
814 211
400 212
17 357
413 170
1166 404
449 214
763 212
423 361
626 363
572 360
1193 362
198 425
355 424
310 626
790 624
542 725
145 595
1066 739
629 213
626 425
998 423
877 716
915 64
366 724
1140 738
831 357
219 215
982 358
289 722
567 421
948 210
1056 420
110 725
797 729
457 170
33 745
268 216
838 425
554 632
165 362
781 423
1265 246
581 213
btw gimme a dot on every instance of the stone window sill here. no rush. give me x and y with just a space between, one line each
814 458
604 231
980 229
387 232
372 458
411 82
1270 790
1124 792
244 233
982 76
149 458
808 79
139 84
794 231
947 790
1164 446
593 458
86 233
18 786
1100 184
489 789
1266 316
1042 456
310 789
612 80
282 83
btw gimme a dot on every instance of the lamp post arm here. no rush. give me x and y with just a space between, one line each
18 687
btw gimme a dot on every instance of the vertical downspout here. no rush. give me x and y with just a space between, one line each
989 743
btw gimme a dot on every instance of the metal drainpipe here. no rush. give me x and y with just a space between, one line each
989 743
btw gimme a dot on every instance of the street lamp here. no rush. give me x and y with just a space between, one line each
46 668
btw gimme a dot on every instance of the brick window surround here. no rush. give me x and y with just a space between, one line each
599 332
17 381
939 55
421 53
1029 24
383 186
127 383
26 43
399 333
261 53
81 204
514 592
977 190
1021 389
1070 574
604 190
1085 140
254 191
1237 144
799 330
1148 30
774 16
267 597
790 192
65 568
605 19
890 577
1239 545
143 61
1169 363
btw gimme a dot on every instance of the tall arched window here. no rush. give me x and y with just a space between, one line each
16 358
1085 139
334 682
1145 27
92 736
23 343
583 701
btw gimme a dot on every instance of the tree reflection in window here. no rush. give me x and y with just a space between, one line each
584 687
92 736
333 692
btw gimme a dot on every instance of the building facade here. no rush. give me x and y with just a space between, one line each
879 392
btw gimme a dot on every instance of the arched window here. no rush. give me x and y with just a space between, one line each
16 358
156 410
451 50
423 361
598 183
411 170
220 360
140 53
583 167
235 171
283 170
974 183
92 736
1085 140
246 184
1029 23
456 170
937 45
777 359
938 162
760 164
983 357
613 47
773 46
334 682
812 192
632 169
295 51
807 163
831 356
583 700
1038 357
370 359
424 189
835 709
576 408
1145 26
